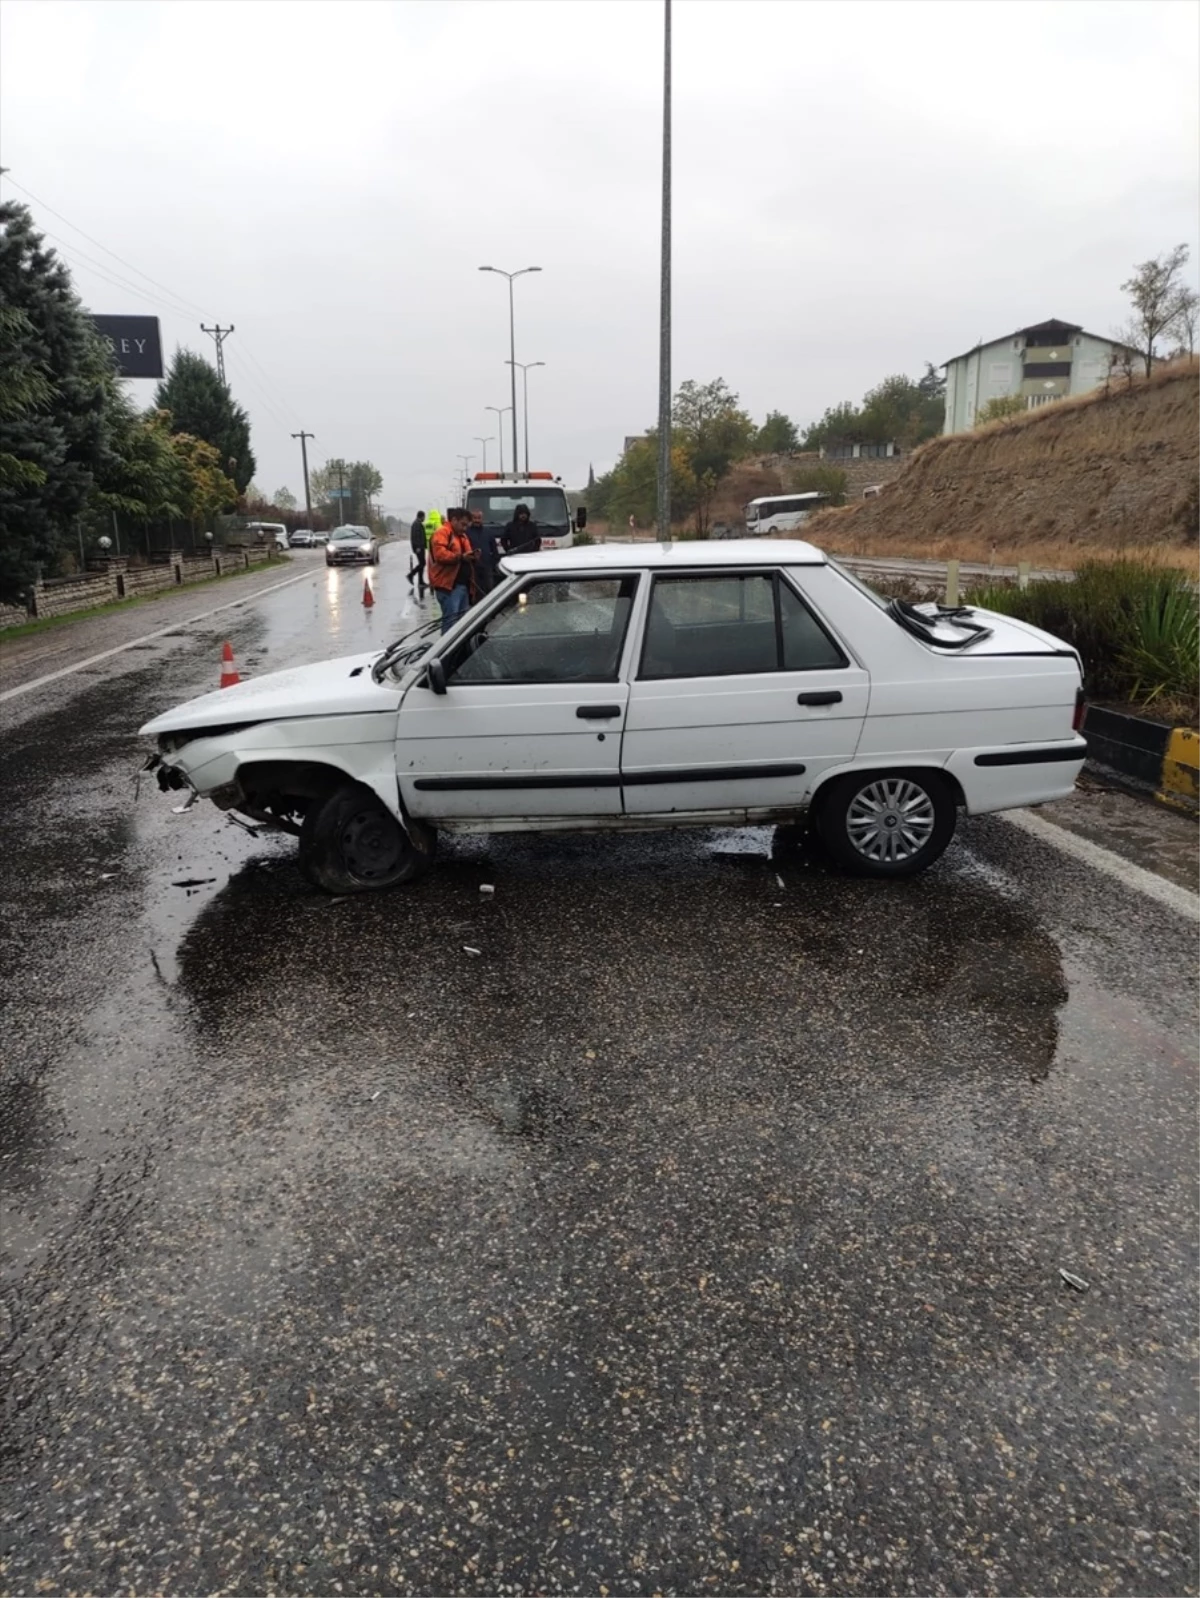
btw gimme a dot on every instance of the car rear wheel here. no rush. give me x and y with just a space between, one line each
887 824
351 843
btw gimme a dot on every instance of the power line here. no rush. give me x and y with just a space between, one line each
108 275
268 403
76 229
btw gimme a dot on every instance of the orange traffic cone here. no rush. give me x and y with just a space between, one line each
229 674
368 596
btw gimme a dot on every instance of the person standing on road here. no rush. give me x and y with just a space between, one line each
521 536
484 545
416 539
451 567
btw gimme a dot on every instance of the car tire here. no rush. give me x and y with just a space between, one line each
887 823
351 843
328 562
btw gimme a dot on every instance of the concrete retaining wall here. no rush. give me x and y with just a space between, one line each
108 580
72 593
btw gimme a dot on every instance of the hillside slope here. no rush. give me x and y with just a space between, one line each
1095 474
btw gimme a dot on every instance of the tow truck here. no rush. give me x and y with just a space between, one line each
497 495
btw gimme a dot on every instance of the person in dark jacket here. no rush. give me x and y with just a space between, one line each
416 539
486 555
521 536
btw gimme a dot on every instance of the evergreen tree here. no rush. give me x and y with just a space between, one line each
57 384
200 404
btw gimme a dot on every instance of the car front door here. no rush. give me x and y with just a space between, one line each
531 720
741 697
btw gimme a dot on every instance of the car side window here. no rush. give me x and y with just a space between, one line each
710 626
731 624
806 644
554 629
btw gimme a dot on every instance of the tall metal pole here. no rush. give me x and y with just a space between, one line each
512 351
512 355
304 438
525 422
342 491
664 311
526 367
501 412
219 334
466 461
485 442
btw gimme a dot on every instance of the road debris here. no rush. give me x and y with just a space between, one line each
1077 1282
487 890
467 949
193 882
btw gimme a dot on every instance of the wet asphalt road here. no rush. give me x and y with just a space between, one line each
702 1233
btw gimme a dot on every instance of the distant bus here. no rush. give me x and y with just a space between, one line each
782 513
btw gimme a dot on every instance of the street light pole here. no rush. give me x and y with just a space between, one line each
485 442
466 461
512 346
501 413
664 305
525 365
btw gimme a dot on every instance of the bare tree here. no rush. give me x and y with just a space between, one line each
1187 314
1154 291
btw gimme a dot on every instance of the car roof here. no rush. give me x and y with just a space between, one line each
729 552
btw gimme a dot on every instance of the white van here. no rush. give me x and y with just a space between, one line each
274 532
782 513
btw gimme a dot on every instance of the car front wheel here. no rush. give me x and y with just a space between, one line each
351 843
887 824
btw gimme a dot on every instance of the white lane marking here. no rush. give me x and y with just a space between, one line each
1181 900
190 621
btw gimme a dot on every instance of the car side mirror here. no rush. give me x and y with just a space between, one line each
436 673
581 518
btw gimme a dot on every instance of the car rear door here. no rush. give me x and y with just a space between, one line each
741 697
530 724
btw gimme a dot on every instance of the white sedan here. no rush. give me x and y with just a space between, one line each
619 687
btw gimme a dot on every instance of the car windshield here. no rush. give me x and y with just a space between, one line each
343 533
547 506
409 647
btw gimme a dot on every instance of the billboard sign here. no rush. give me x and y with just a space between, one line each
135 342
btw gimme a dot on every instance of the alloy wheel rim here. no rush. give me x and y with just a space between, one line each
890 821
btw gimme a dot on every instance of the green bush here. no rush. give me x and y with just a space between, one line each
583 539
1136 626
829 480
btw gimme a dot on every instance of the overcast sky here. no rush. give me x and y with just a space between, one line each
858 188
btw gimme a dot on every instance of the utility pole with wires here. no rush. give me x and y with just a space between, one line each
304 437
342 490
219 334
664 303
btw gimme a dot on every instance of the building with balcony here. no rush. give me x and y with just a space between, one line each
1040 363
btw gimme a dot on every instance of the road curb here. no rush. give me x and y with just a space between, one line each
1158 758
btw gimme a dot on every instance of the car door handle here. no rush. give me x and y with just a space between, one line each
831 697
597 712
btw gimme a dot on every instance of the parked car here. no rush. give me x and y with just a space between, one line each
305 538
623 686
269 532
350 545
